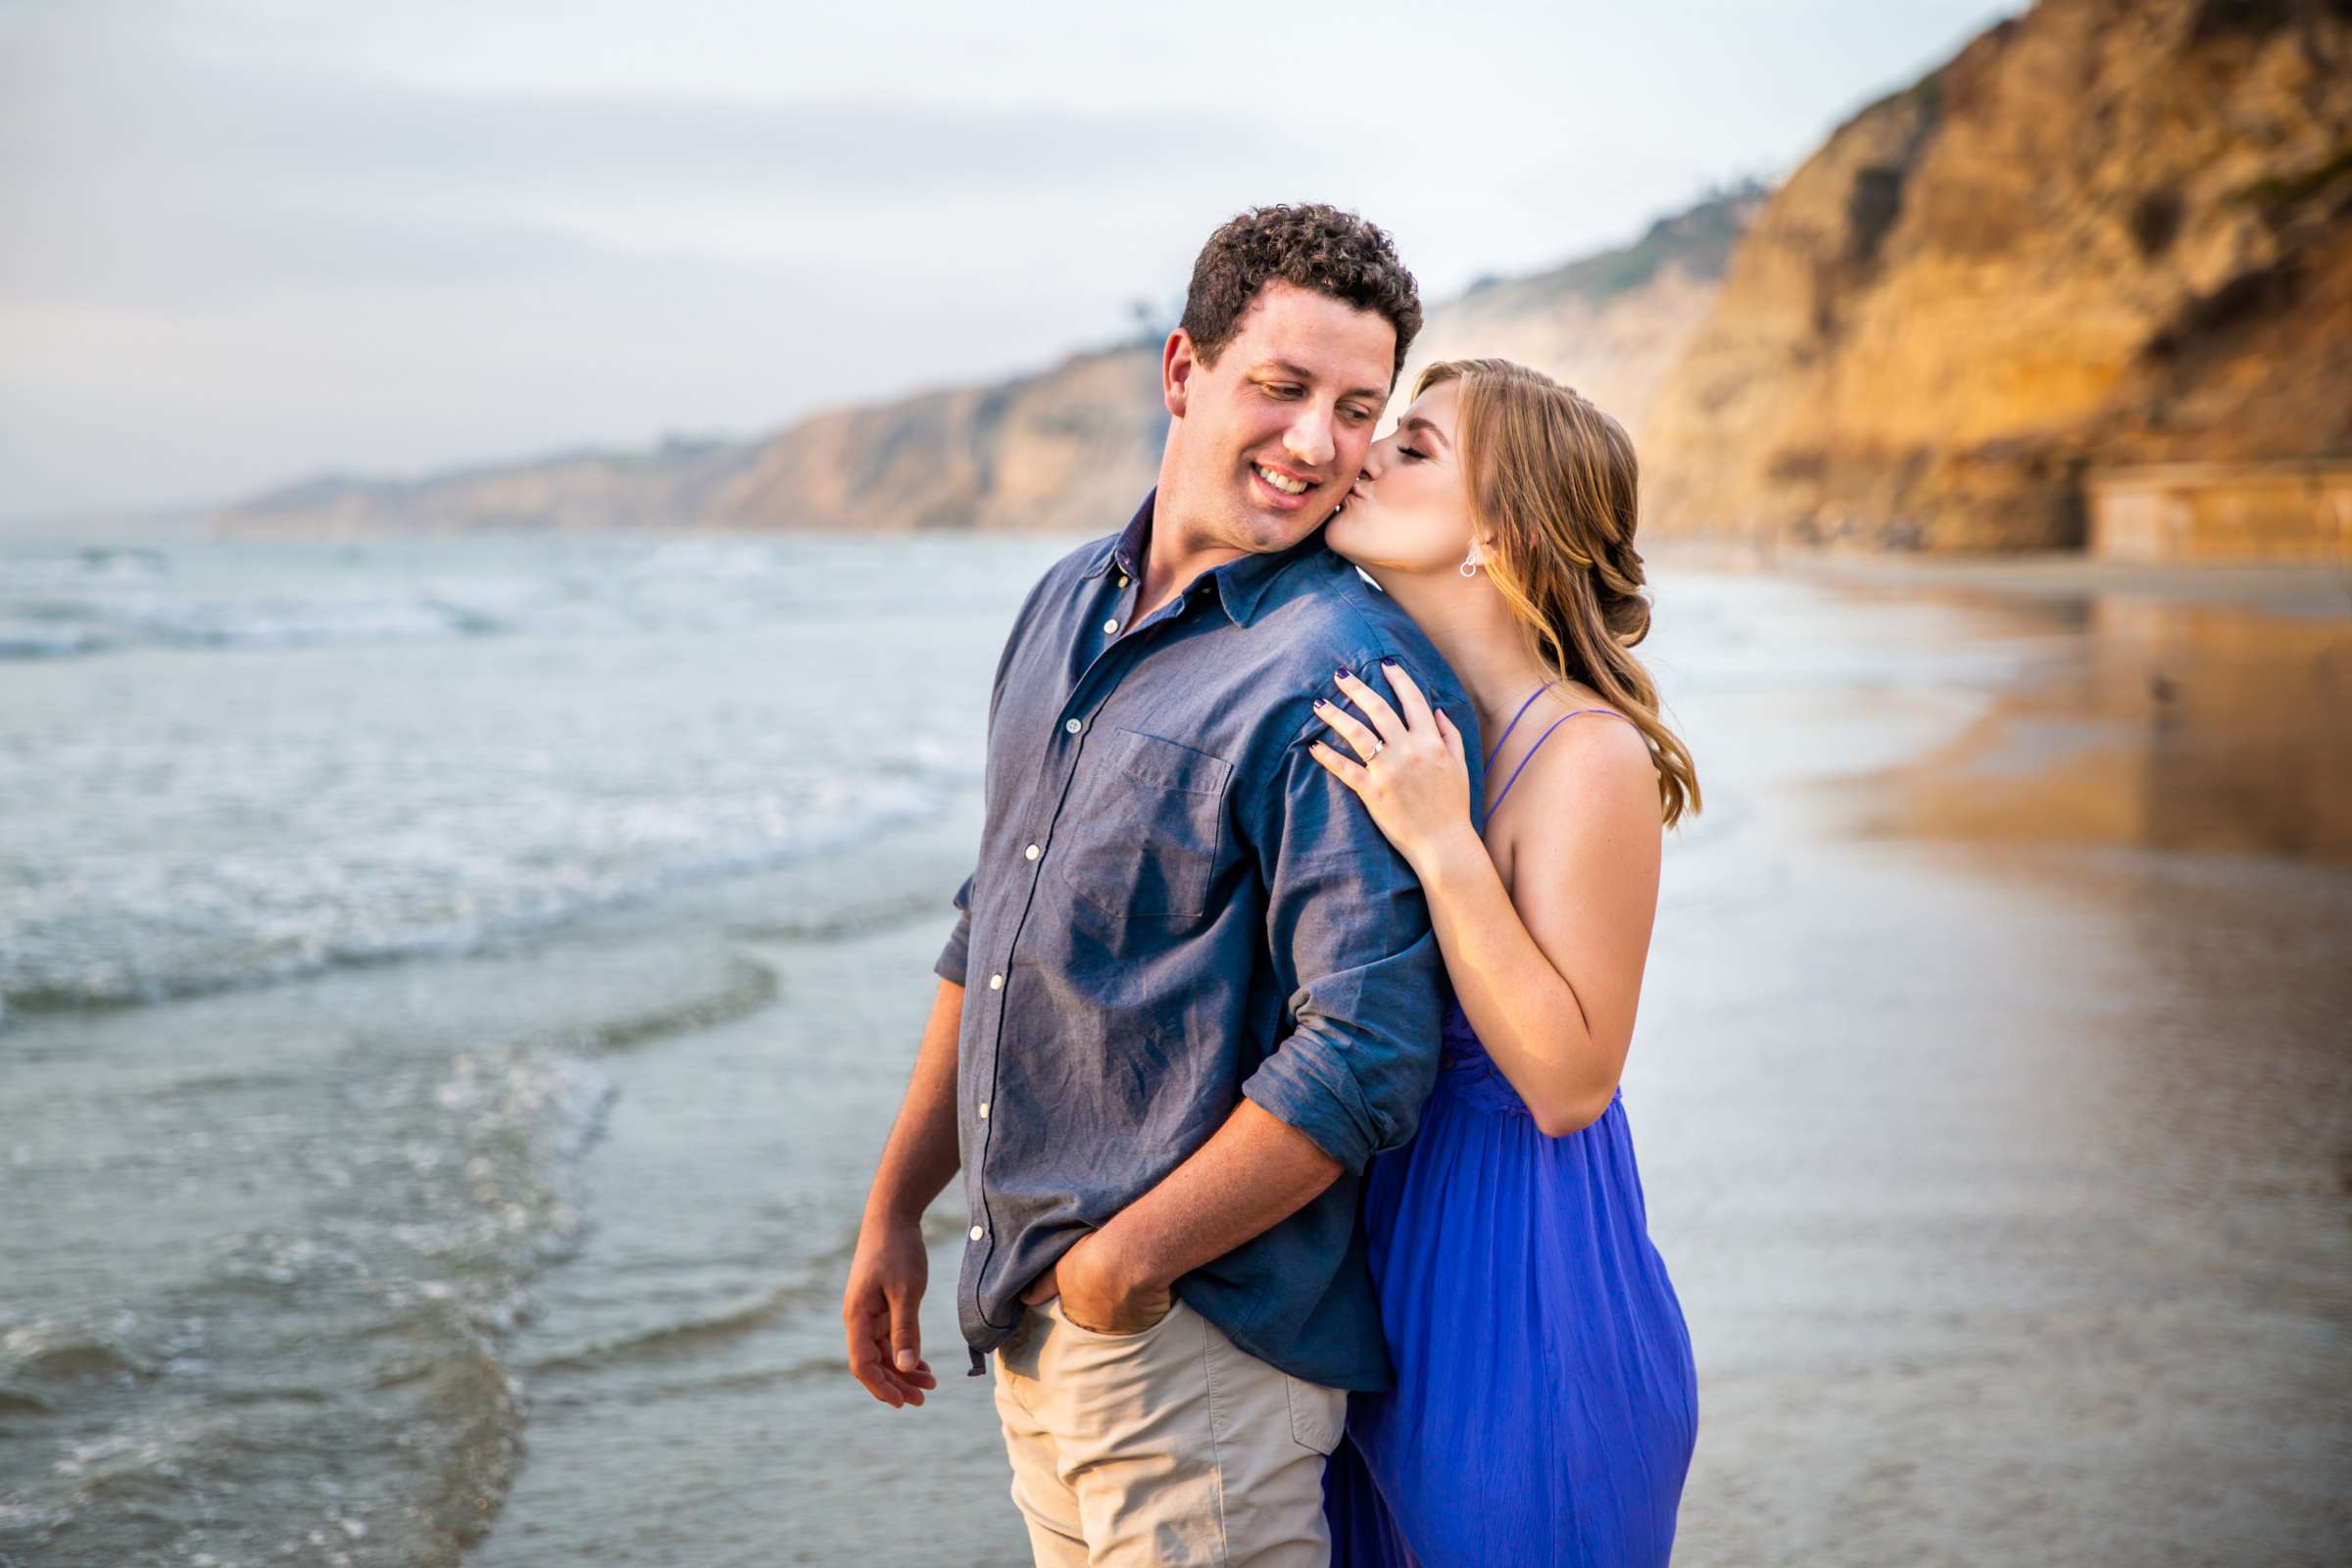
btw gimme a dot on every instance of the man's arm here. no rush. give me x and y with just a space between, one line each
1255 1173
884 1297
1348 1082
887 1274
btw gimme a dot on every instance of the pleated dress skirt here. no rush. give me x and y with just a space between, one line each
1545 1406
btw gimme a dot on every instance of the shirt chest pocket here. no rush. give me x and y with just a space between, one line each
1140 833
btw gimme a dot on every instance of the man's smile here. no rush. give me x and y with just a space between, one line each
1281 488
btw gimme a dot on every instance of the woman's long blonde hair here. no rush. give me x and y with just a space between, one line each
1555 482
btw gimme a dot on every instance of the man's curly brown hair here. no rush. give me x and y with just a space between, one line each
1307 246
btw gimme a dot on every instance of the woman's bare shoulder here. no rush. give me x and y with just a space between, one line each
1578 734
1593 781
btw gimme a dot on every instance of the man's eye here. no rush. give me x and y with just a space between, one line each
1282 389
1359 415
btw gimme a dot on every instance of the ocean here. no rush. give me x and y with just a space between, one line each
452 993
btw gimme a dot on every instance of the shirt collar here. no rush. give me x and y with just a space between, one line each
1127 550
1242 582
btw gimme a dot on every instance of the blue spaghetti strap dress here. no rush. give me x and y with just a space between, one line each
1545 1405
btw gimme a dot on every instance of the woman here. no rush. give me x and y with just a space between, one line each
1546 1403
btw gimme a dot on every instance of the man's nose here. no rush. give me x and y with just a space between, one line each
1309 439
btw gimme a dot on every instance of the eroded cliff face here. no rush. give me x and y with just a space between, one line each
2105 232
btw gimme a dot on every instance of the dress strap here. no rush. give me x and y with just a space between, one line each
1512 725
1539 746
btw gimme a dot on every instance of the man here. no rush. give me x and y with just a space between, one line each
1202 988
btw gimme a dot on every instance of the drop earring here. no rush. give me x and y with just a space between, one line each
1469 566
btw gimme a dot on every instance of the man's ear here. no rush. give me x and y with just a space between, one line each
1177 363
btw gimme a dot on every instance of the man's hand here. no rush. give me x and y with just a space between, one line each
887 1276
1099 1293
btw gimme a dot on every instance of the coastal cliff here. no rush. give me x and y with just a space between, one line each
1074 446
589 489
2104 232
2107 234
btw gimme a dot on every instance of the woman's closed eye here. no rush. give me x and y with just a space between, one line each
1408 451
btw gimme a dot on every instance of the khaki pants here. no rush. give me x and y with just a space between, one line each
1166 1445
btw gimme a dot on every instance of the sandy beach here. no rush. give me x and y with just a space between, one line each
1990 1087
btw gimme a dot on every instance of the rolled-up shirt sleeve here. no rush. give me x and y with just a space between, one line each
1349 934
953 957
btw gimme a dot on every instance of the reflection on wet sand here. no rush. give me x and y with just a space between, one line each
2166 726
1998 1142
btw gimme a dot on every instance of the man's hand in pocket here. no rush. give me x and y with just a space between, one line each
1099 1293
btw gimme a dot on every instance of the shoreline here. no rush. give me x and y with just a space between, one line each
2284 587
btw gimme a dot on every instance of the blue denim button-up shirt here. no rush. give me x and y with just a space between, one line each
1174 907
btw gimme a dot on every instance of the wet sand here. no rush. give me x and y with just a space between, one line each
2209 727
2001 1141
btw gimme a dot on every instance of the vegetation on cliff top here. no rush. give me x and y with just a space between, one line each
1698 239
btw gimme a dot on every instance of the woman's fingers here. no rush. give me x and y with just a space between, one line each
1452 736
1376 708
1351 729
1348 774
1408 694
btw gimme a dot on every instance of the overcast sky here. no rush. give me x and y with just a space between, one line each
250 240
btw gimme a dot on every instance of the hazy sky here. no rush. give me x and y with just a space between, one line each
248 240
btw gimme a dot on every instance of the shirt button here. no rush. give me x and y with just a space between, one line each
977 1233
1122 579
984 1110
1074 726
1112 626
1033 851
995 982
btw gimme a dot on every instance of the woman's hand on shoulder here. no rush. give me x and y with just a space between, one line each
1408 768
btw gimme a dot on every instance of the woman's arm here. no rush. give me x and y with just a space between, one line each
1548 969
